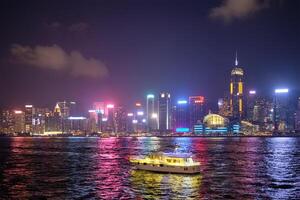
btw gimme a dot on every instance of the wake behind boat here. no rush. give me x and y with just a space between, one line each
167 162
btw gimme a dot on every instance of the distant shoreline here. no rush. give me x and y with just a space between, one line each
183 136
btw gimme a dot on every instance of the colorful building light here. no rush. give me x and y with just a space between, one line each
252 92
138 104
76 118
282 90
144 120
134 121
182 102
154 116
18 112
130 114
104 119
150 96
28 106
92 111
110 106
182 130
140 113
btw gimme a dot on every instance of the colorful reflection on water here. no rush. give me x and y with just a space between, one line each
99 168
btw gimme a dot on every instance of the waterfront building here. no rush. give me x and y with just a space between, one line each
76 125
29 112
38 122
283 111
54 121
214 123
120 119
109 119
181 112
7 121
150 113
164 111
197 110
19 121
237 91
250 103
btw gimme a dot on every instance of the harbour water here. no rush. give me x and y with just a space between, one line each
99 168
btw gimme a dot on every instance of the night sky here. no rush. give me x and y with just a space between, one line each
119 51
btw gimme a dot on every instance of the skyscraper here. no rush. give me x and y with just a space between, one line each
196 110
150 113
19 121
29 112
236 91
182 116
283 110
164 111
251 101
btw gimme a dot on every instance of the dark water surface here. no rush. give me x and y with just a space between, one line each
94 168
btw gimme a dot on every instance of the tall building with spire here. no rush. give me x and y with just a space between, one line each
237 91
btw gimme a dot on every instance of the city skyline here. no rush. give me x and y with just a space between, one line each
184 53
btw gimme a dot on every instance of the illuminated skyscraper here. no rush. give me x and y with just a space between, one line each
120 119
110 118
7 121
164 111
196 110
236 91
19 121
251 103
151 115
181 119
284 110
29 112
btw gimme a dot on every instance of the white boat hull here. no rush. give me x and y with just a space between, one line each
168 168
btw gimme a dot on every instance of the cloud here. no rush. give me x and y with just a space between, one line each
55 58
78 27
237 9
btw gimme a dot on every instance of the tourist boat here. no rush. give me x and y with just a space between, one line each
167 162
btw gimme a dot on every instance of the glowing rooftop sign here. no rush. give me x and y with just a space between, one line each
18 112
252 92
104 119
182 130
182 102
281 90
76 118
110 106
92 111
150 96
130 114
28 106
140 113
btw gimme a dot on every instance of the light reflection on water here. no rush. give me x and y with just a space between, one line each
94 168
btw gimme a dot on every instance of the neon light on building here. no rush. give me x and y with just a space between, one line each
281 90
110 106
182 102
182 130
150 96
